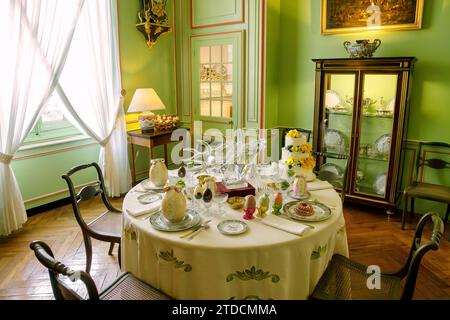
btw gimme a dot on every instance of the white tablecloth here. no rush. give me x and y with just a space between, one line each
264 263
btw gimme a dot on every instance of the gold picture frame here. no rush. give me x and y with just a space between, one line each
348 16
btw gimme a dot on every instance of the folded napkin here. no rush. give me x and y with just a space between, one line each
285 225
319 185
152 208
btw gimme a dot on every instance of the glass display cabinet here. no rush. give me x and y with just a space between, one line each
361 110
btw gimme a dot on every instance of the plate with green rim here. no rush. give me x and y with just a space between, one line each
321 211
190 220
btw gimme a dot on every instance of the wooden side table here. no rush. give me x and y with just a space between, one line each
148 140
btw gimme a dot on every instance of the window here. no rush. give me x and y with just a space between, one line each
216 81
52 125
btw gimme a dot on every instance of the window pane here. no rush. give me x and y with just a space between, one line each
227 53
229 72
227 92
216 89
204 105
216 108
216 54
205 91
205 72
204 55
227 109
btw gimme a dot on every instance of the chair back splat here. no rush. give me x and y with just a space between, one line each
107 226
423 161
345 279
57 270
418 250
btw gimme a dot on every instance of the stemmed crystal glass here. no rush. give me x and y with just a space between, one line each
207 199
220 199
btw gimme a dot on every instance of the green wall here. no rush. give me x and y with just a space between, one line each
142 66
301 41
298 23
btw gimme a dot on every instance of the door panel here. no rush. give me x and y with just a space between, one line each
217 80
375 138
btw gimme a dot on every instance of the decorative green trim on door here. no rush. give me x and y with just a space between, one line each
170 257
316 254
253 274
214 13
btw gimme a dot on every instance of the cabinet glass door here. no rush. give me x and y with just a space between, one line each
375 135
338 108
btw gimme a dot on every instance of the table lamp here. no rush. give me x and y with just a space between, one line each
145 101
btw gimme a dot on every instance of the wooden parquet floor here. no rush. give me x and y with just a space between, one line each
372 237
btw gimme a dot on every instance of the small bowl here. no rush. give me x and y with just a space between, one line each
236 203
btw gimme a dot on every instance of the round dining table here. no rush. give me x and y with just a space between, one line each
262 263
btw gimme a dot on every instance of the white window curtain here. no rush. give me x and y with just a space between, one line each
94 103
36 36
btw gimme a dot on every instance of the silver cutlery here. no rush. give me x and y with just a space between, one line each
205 227
195 229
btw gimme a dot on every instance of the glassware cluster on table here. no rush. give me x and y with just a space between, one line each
265 178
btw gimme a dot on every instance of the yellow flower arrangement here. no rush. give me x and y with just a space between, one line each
294 134
290 161
308 163
306 148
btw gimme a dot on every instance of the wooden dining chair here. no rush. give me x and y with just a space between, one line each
126 287
424 190
339 181
107 226
345 279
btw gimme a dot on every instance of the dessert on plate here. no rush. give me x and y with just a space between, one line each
304 209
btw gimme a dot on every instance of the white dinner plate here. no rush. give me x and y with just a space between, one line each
334 139
190 220
383 145
149 198
232 227
148 185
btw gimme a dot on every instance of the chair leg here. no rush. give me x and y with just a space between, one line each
405 209
88 247
111 248
413 202
119 255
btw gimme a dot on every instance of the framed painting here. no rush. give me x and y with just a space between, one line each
344 16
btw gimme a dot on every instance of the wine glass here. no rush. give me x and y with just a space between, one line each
220 199
207 202
189 192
